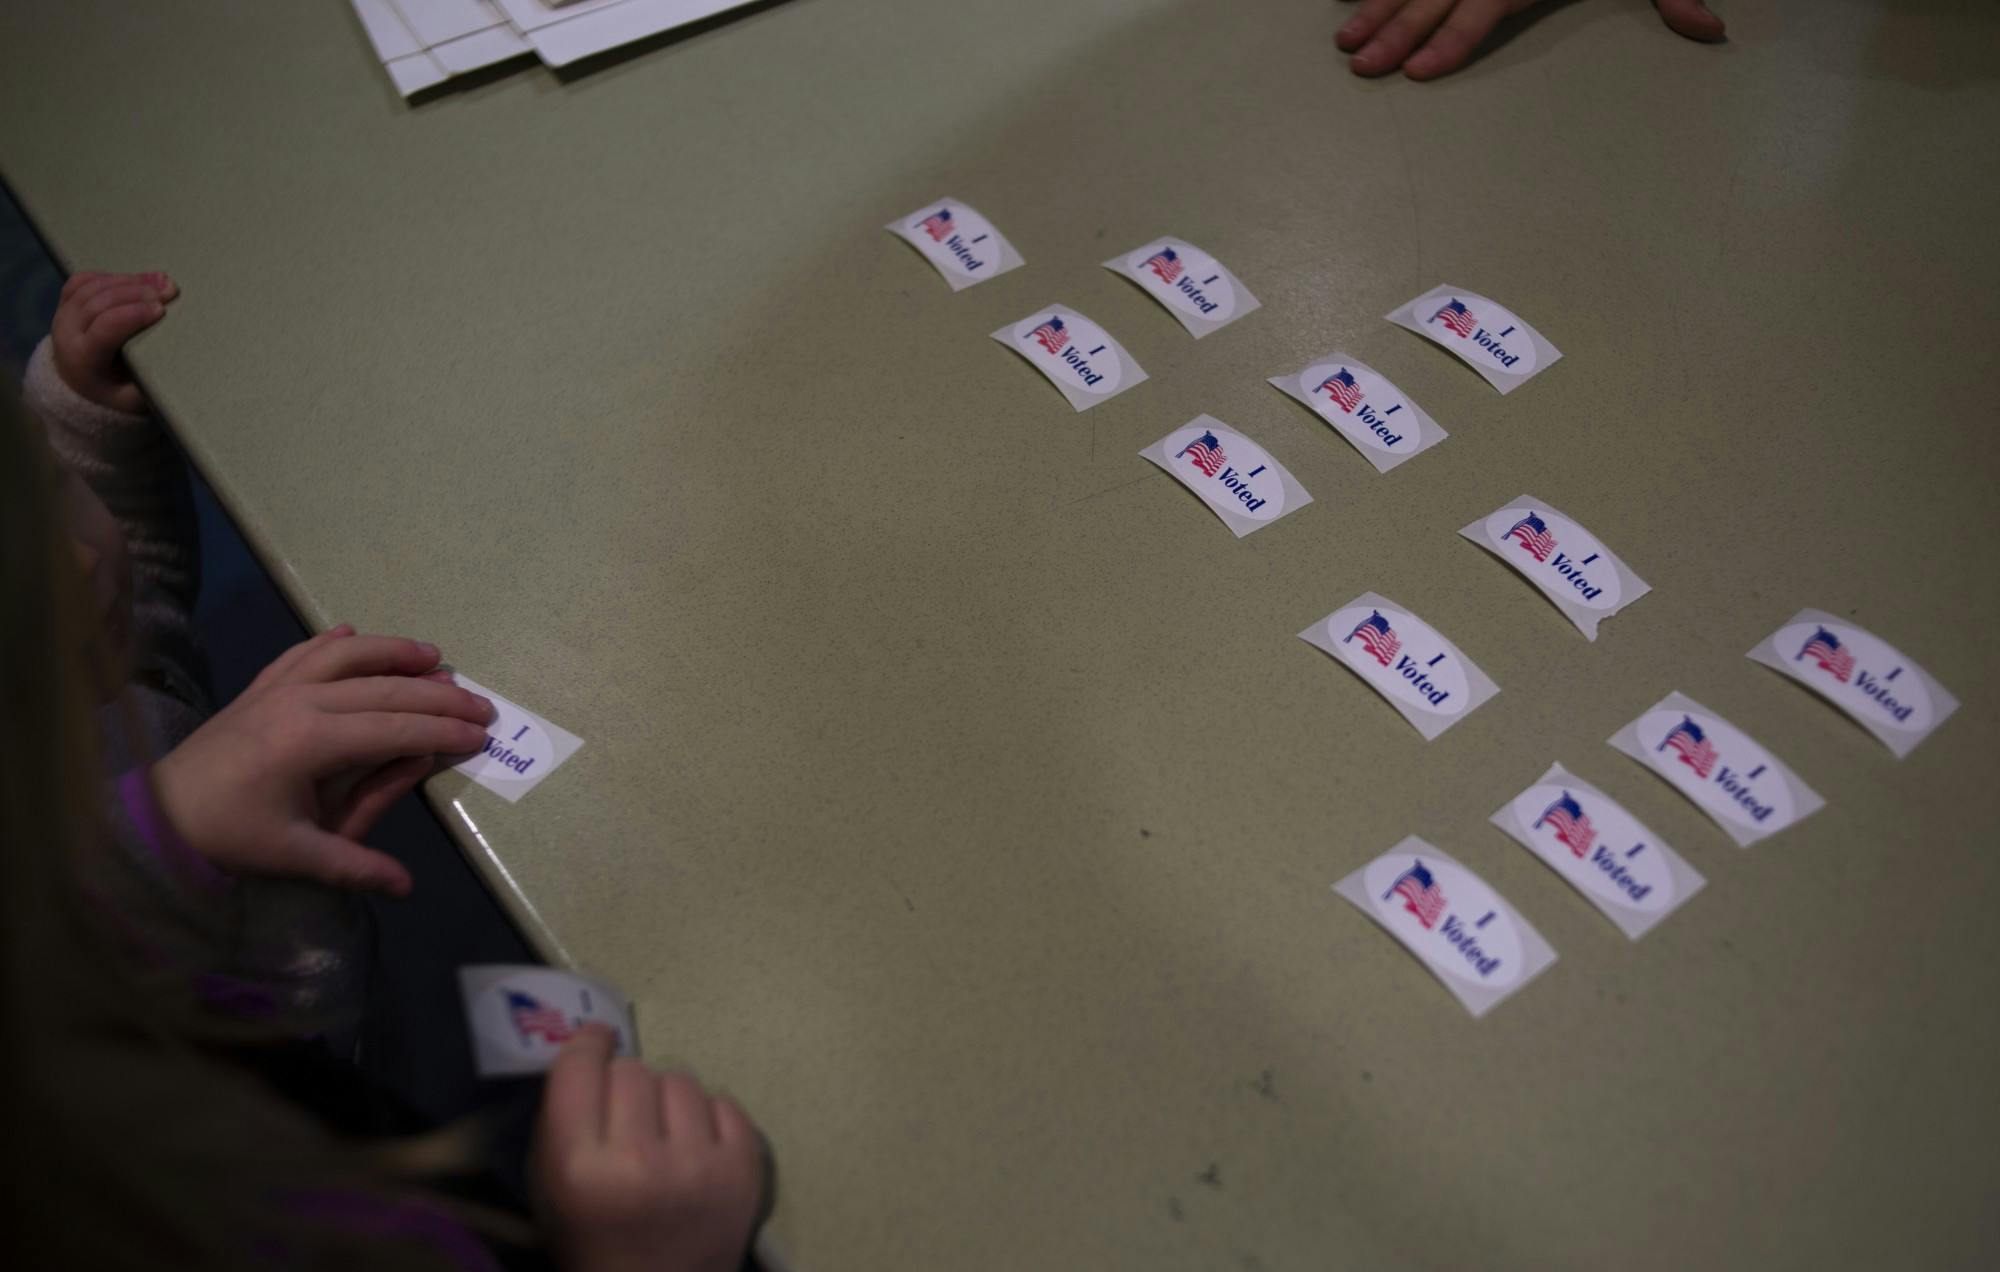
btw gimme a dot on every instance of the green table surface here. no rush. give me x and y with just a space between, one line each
955 789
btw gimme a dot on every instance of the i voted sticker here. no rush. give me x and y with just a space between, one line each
520 1016
1884 691
1076 355
1604 852
1472 940
521 748
1192 285
959 243
1421 674
1234 476
1586 580
1363 407
1741 786
1485 335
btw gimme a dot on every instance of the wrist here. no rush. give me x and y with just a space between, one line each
143 793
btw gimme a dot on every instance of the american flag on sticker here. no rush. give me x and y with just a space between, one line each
1570 823
1206 452
1052 335
1340 386
1825 649
533 1020
1166 263
1456 316
1377 637
1533 532
1692 745
937 224
1420 893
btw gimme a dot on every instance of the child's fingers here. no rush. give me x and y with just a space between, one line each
76 280
281 666
574 1098
403 693
371 797
364 739
632 1107
97 285
163 283
1690 18
1367 20
1401 34
1463 30
111 297
109 331
685 1111
364 656
341 863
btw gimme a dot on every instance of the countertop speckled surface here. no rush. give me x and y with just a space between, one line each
955 789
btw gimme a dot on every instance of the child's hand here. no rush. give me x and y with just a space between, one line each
285 779
97 314
1383 33
641 1170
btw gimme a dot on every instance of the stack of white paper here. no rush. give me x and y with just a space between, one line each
423 43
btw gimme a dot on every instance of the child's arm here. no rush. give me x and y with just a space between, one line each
102 428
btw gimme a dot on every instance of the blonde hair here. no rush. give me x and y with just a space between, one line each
130 1141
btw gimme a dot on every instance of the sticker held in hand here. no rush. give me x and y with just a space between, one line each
1076 355
520 1016
1363 407
1483 334
1467 934
960 244
521 747
1581 577
1880 688
1417 671
1190 284
1722 770
1605 853
1233 475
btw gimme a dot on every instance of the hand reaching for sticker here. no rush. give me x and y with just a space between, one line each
1429 38
97 314
283 781
641 1170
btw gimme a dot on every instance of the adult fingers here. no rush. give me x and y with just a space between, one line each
632 1107
1691 18
1401 34
339 862
403 693
574 1098
281 666
369 798
1367 20
364 739
363 656
685 1112
1464 29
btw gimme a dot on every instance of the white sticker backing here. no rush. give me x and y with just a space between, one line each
1189 283
1886 693
521 747
1403 658
1079 357
959 243
1234 476
1602 851
1363 407
1485 335
1741 786
1584 579
1464 931
520 1016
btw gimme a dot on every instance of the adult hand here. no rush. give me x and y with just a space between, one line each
284 780
96 315
1429 38
641 1170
